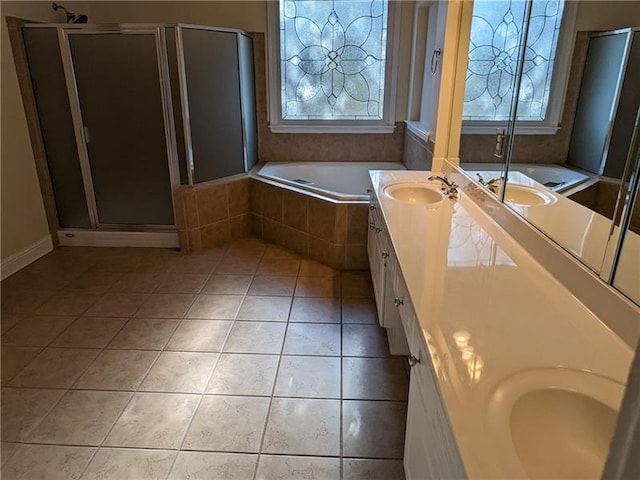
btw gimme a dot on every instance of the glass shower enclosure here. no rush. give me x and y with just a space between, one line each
130 112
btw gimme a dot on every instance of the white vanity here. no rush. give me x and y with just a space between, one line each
512 377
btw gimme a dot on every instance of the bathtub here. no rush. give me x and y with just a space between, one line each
555 177
316 209
338 181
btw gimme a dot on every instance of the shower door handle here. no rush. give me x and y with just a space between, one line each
85 134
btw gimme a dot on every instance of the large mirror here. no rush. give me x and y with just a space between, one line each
568 136
626 267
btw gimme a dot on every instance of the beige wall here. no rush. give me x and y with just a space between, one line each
21 208
250 16
607 14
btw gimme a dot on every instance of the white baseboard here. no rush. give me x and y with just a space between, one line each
24 257
93 238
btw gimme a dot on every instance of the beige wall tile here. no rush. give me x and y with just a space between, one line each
256 193
357 224
256 225
191 207
296 240
273 231
240 226
272 203
215 234
238 193
416 153
195 240
356 257
340 226
179 208
212 203
326 252
295 210
322 219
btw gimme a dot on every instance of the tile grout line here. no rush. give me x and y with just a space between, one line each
202 395
275 380
341 387
137 389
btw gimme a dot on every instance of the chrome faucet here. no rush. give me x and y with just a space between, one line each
448 187
493 185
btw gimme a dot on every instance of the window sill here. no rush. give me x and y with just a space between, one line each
521 130
419 130
327 129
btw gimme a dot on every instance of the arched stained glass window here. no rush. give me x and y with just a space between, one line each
332 59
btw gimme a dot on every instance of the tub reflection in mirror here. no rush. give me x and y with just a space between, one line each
573 128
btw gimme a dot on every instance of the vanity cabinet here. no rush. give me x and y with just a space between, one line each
433 455
384 269
430 448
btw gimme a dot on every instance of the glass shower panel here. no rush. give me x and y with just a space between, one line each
596 103
120 96
212 80
56 124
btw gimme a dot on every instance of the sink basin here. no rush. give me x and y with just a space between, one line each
561 434
527 196
414 193
554 423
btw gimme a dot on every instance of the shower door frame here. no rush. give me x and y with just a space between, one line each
78 124
184 93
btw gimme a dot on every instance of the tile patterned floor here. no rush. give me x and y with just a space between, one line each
244 362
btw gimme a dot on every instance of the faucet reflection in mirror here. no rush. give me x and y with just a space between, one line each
579 199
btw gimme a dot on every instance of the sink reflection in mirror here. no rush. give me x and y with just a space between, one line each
568 133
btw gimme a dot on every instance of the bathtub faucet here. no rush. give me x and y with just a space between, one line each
493 185
448 187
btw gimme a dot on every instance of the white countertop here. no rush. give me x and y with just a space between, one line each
487 310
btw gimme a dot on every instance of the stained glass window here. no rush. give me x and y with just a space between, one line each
496 34
332 59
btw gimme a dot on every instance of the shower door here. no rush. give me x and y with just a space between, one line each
118 91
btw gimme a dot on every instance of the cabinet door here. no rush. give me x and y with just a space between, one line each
430 450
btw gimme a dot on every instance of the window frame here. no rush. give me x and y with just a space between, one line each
278 125
559 82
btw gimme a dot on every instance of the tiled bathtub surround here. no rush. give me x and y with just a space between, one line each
210 214
244 361
418 152
332 233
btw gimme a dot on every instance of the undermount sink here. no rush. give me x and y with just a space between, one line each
527 196
557 423
414 193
